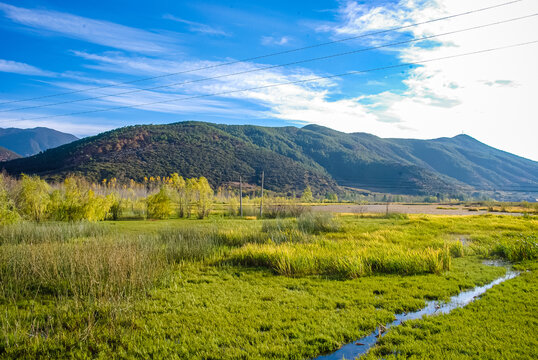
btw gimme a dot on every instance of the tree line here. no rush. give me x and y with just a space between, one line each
75 199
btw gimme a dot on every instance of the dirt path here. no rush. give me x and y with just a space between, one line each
404 209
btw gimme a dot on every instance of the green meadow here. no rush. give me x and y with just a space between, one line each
294 288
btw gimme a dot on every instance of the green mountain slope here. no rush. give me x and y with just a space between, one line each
27 142
192 149
291 157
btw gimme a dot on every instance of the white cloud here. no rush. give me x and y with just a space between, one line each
94 31
22 68
197 27
489 96
270 40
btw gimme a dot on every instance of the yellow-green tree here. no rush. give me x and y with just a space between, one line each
96 207
307 195
32 197
191 188
160 204
68 202
75 201
179 184
116 205
8 212
204 194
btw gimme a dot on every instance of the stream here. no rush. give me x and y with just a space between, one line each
362 345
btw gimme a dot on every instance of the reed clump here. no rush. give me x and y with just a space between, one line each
348 259
90 269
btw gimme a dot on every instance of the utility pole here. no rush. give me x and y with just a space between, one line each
261 200
241 196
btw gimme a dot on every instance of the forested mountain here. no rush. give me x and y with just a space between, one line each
27 142
291 157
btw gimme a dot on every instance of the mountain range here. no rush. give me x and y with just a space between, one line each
292 158
27 142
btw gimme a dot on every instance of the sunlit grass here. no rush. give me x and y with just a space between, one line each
235 288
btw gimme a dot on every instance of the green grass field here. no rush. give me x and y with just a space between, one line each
224 288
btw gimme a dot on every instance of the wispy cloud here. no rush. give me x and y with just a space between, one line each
197 27
270 40
465 94
22 68
94 31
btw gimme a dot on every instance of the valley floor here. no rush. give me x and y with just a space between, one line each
273 289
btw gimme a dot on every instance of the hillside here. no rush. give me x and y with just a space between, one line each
27 142
291 157
192 149
6 155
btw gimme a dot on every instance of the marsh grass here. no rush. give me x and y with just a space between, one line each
310 223
503 325
275 211
521 249
93 268
35 233
88 261
347 259
181 288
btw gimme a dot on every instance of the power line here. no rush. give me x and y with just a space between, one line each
410 64
269 55
276 66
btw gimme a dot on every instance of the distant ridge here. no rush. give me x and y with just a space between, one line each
6 155
27 142
291 157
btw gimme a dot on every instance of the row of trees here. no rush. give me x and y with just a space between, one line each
187 194
32 198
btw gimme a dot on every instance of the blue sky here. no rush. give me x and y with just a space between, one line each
53 47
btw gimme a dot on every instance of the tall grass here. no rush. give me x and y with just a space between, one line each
317 223
275 211
93 268
35 233
524 248
346 258
88 261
